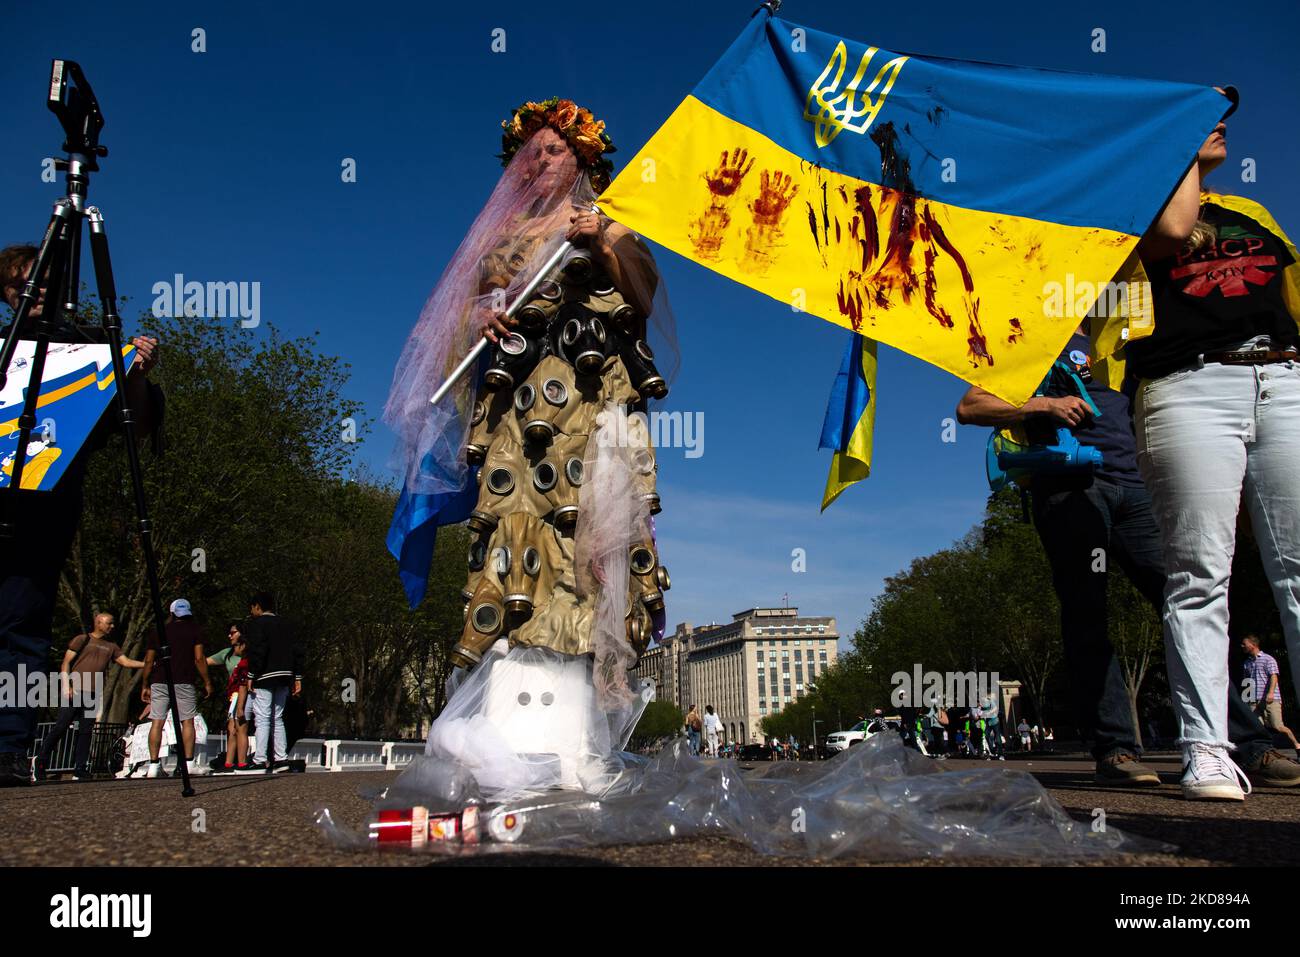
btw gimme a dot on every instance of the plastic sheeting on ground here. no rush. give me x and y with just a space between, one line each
880 801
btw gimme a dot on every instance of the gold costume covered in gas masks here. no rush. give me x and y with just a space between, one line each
578 349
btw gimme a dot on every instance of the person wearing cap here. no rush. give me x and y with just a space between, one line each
189 665
1216 416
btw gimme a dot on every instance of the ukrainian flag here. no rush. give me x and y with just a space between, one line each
850 418
929 204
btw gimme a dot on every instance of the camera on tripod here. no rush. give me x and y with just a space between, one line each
56 274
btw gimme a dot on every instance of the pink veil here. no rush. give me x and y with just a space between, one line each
522 223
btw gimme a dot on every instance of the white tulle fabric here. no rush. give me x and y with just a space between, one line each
525 721
611 518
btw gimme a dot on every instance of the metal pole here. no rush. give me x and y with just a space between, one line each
522 298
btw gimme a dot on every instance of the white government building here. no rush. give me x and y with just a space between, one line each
747 668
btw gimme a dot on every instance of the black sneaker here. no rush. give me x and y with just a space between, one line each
82 776
38 770
15 771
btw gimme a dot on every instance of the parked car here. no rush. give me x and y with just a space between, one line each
756 752
843 740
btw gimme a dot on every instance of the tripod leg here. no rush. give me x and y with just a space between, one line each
51 261
113 327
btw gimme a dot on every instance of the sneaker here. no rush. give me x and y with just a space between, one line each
15 771
197 768
156 770
38 770
82 776
1209 774
253 766
1123 767
1272 768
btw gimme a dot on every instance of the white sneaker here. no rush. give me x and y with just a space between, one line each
1209 774
197 768
155 770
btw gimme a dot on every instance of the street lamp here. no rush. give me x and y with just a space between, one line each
814 729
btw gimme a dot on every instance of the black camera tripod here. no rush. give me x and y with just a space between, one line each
57 270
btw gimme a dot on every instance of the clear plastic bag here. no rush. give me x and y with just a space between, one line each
880 801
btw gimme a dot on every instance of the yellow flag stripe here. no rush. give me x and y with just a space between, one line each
966 290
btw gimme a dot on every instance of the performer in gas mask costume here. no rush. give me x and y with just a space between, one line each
564 586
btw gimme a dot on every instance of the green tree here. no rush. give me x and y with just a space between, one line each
661 719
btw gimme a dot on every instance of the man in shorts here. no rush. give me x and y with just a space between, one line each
1260 687
189 665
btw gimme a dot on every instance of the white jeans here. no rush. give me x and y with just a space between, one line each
266 700
1205 436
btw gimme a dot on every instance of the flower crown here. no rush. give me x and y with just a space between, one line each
580 129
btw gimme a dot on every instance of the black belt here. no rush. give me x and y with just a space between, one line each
1251 357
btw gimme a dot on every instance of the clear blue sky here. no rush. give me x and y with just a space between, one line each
225 165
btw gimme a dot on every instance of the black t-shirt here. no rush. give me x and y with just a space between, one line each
1111 433
1217 297
183 635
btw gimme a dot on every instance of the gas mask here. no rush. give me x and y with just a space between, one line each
503 486
535 315
577 266
582 338
526 548
551 403
639 361
649 578
643 462
557 478
477 562
491 413
513 358
484 616
640 627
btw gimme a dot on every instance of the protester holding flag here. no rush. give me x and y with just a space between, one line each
1217 416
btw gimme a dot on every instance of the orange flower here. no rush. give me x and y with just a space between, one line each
566 111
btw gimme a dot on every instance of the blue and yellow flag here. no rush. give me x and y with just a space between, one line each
850 418
929 204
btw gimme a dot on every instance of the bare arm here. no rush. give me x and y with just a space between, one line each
201 663
978 407
149 657
68 658
1174 224
126 662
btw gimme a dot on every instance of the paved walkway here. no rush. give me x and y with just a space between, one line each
267 821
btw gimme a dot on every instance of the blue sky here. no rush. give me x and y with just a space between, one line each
225 166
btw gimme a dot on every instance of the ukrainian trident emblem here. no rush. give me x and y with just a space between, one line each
831 108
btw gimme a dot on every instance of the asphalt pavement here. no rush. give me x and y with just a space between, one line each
260 820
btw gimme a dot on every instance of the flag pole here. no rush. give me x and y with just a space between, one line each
522 298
